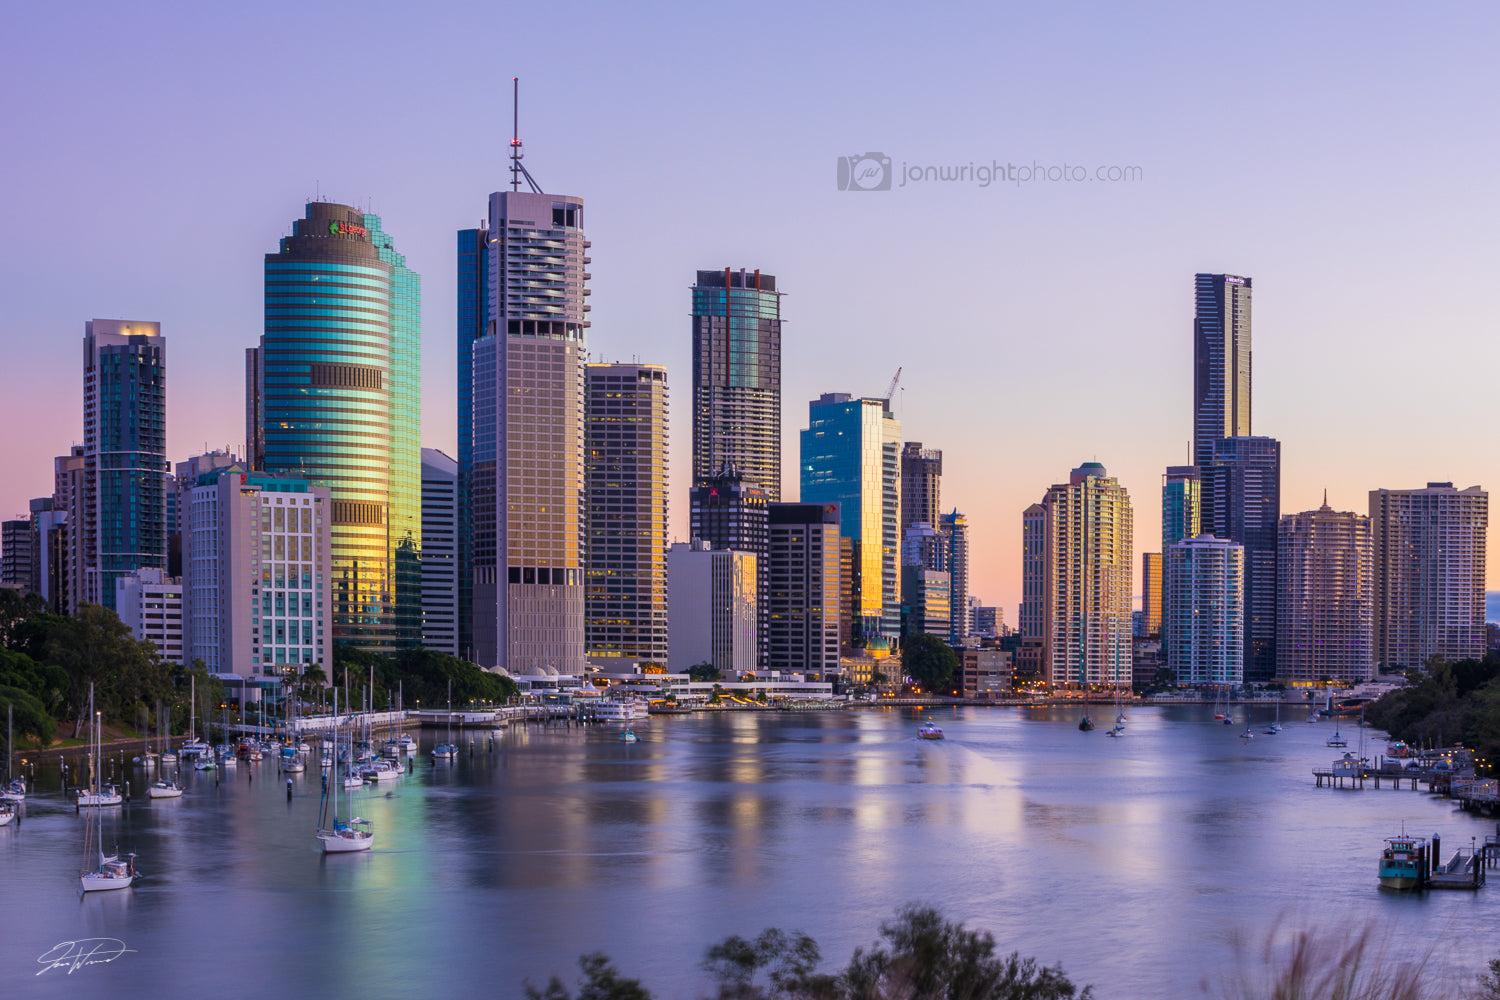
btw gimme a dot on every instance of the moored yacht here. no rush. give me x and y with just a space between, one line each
1402 863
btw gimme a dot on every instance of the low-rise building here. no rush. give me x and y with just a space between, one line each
149 603
984 673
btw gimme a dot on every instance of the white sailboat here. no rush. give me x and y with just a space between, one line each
14 790
449 750
335 836
110 872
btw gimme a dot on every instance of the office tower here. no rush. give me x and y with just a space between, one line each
1180 503
333 396
737 377
1089 580
259 569
1241 502
955 529
1206 643
711 601
989 622
54 570
149 603
521 473
729 511
16 563
123 524
1151 593
1325 615
67 499
851 457
1429 573
625 441
927 596
800 611
185 476
1032 618
439 552
922 544
1221 361
921 482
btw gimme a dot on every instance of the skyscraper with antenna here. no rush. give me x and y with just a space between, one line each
522 342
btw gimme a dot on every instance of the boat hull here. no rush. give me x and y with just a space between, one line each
345 842
1400 882
163 793
95 882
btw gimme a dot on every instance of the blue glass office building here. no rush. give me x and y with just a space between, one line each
335 392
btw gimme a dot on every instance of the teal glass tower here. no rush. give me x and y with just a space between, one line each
124 504
851 455
335 397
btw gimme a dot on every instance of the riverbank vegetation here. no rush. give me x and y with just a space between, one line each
1447 702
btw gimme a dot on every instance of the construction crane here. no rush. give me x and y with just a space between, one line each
891 392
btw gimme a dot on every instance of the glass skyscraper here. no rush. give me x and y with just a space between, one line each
335 391
1241 502
851 455
1221 361
737 377
123 522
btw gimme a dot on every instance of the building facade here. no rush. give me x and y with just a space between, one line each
149 603
737 377
800 593
921 485
1181 500
711 598
851 457
1032 618
1241 502
439 552
523 472
334 397
1221 361
17 558
122 525
625 440
1151 593
1089 580
1325 616
258 575
1206 642
1429 557
955 529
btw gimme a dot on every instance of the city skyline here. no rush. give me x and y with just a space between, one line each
1011 341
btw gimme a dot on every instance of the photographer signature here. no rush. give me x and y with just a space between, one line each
74 955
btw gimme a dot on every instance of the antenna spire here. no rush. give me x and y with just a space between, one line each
517 168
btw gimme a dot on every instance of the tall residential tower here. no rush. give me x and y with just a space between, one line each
1221 361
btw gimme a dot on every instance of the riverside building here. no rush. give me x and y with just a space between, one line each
1205 644
1325 598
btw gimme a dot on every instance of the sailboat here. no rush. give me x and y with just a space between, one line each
1229 706
334 835
15 788
108 872
1085 724
448 750
1275 727
1337 740
1119 711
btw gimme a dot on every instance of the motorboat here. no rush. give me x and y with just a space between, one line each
407 743
629 736
381 771
928 731
1085 724
163 790
15 791
7 812
204 763
445 751
620 709
1403 863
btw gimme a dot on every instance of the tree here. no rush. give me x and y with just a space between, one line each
600 981
930 662
704 672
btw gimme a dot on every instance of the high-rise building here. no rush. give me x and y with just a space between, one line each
800 611
1429 573
1221 361
1032 618
1089 580
1206 643
1241 502
851 457
257 554
16 563
729 511
149 603
1325 616
989 621
334 397
521 474
55 568
955 529
625 441
927 595
737 377
921 484
711 600
439 552
1180 505
123 523
67 500
1151 593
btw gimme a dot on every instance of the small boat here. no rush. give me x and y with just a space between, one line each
112 873
293 764
1247 735
1085 724
108 872
629 736
1336 740
929 732
102 795
204 763
393 749
449 750
7 812
334 835
352 781
167 757
163 790
1402 863
381 771
407 743
14 792
1117 731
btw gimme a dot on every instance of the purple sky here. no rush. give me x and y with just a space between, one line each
1342 154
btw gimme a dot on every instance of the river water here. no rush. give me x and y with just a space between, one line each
1137 863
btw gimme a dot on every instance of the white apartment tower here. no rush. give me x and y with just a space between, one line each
1206 599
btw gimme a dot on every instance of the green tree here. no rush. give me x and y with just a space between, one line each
930 662
704 671
600 981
